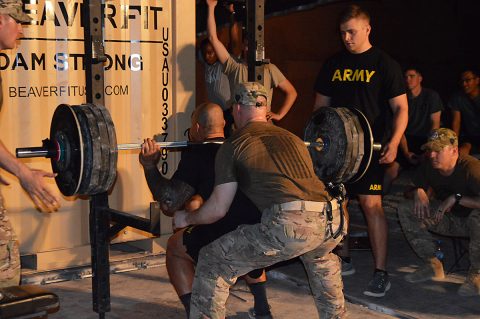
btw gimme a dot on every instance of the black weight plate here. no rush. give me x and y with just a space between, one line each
113 146
88 163
104 144
360 146
368 145
65 131
94 185
327 125
348 159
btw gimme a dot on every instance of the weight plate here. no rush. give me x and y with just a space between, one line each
65 131
327 126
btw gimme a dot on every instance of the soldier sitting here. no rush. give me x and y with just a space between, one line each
446 201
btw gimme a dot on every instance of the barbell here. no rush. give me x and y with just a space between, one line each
83 148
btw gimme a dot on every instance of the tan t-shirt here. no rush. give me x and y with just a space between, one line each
238 73
270 164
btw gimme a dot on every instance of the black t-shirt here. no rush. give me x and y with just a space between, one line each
465 180
419 110
197 169
364 81
470 113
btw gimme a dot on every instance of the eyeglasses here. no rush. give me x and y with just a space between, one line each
467 80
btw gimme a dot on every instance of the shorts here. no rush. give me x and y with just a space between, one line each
197 236
241 212
371 182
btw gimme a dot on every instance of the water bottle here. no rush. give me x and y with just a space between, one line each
438 250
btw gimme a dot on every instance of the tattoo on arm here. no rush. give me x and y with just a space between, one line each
170 193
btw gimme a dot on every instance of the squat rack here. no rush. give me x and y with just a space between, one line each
101 215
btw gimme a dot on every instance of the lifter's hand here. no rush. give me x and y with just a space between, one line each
150 153
388 153
32 181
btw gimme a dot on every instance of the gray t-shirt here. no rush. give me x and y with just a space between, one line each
237 72
218 87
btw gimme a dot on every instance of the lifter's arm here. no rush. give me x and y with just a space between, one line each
170 193
214 208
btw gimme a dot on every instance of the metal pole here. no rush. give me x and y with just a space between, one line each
256 42
99 217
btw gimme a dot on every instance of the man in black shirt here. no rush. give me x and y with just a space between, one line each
366 78
191 184
424 111
465 108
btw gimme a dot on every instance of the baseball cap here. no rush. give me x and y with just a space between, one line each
14 8
246 93
439 138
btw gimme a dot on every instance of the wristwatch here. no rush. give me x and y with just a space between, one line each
458 197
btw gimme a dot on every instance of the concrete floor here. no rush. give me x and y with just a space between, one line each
148 294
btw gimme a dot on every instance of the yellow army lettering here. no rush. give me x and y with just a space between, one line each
353 76
375 187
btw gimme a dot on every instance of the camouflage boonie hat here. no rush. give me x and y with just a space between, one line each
439 138
246 93
14 8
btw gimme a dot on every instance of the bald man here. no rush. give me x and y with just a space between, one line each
190 185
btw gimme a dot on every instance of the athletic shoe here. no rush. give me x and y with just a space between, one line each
253 315
432 270
379 285
347 268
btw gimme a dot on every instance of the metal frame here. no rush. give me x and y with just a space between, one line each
256 42
101 215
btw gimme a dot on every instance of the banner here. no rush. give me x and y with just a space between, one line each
142 87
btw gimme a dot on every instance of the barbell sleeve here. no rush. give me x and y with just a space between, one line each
27 152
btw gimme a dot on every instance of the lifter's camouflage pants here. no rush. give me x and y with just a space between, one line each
9 253
421 240
281 235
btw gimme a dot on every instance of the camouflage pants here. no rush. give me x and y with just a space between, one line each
9 253
281 235
421 240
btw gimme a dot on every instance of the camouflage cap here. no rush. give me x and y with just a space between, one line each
439 138
246 93
14 8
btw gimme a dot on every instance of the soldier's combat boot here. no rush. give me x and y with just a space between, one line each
432 270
